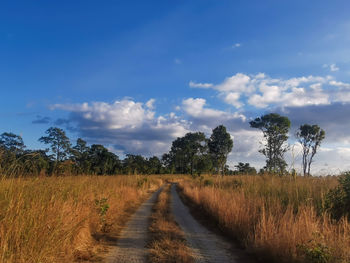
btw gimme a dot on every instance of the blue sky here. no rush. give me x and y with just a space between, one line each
134 75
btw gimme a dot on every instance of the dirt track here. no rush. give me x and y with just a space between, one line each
133 238
206 245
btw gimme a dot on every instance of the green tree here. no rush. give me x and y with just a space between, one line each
186 151
134 164
154 165
310 138
12 142
220 145
59 143
275 130
103 161
245 168
168 163
80 155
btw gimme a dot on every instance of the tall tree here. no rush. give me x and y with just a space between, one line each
134 164
154 165
80 155
103 161
185 152
12 142
220 145
275 130
58 141
310 137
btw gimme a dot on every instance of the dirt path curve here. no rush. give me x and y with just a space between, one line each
133 238
207 246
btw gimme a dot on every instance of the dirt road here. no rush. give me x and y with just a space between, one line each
206 245
133 238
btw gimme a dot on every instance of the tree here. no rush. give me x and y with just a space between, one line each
310 137
11 142
59 143
80 155
220 145
168 163
103 161
186 151
134 164
275 130
154 165
244 168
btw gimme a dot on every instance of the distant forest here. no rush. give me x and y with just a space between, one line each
193 153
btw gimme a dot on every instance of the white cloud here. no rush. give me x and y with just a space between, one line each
195 108
233 99
193 84
262 91
126 125
150 104
236 45
339 84
239 83
332 67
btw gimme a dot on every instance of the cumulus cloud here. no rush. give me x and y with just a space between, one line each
150 104
126 125
262 91
195 108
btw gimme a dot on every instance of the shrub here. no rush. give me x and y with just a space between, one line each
338 199
208 182
315 250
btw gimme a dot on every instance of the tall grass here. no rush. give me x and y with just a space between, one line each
279 219
55 219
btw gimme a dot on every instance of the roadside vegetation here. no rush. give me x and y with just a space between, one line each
167 242
279 219
65 219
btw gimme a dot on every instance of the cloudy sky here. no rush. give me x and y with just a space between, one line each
135 75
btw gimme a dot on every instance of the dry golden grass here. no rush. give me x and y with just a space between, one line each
167 242
279 219
57 219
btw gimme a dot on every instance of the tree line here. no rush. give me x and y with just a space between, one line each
193 153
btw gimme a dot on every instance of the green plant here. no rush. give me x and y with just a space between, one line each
141 182
338 199
102 208
315 250
208 182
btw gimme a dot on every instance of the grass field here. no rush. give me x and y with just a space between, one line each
61 219
278 219
66 219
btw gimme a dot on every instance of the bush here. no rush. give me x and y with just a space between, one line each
208 182
338 199
315 250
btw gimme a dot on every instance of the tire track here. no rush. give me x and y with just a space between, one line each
133 238
207 246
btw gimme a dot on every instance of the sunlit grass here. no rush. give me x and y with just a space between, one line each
54 219
279 219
